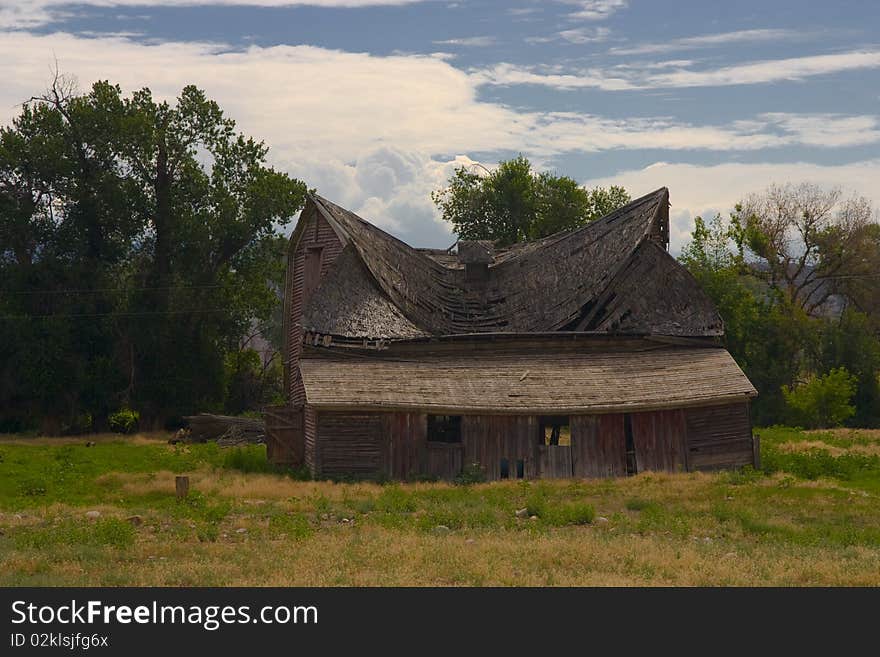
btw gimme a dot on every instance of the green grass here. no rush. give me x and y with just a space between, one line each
810 516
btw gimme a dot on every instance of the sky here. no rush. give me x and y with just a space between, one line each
375 102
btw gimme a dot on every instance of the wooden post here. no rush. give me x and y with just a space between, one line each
181 483
756 449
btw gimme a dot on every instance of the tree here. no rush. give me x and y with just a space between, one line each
804 237
851 342
513 203
769 328
142 241
767 336
823 401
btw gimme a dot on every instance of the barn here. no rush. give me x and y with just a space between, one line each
589 353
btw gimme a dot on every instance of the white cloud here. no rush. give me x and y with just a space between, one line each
23 14
475 41
696 190
377 133
773 70
585 35
629 77
595 10
709 40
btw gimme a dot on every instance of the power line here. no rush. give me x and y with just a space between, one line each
111 289
115 314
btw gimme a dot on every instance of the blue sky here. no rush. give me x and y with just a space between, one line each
375 102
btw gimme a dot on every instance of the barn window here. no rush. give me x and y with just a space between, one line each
444 428
554 430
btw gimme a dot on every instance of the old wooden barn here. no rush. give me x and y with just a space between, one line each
590 353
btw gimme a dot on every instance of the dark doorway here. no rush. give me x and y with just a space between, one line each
630 445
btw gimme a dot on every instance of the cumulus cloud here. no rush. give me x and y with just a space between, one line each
696 190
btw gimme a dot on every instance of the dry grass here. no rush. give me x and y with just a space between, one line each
270 530
149 438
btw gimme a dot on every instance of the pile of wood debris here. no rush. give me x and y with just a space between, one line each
226 430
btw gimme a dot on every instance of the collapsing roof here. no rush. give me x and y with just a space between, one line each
611 276
569 383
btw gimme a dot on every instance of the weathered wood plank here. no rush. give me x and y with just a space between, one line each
719 437
659 438
598 445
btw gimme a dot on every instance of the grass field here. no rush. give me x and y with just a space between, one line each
107 515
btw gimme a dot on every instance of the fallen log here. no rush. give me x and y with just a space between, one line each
226 430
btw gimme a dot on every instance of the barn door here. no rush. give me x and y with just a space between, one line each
659 440
285 440
598 445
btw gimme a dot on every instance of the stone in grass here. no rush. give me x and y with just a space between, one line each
440 529
522 513
135 520
93 515
601 519
241 530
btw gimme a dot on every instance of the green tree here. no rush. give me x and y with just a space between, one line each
851 342
140 243
768 337
513 203
804 239
823 401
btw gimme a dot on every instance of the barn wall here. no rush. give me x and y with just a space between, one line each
370 444
310 456
719 437
351 444
659 440
598 445
394 444
489 438
316 233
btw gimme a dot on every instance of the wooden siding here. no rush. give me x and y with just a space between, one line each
351 444
444 460
377 444
598 445
719 437
554 461
315 234
489 438
659 439
310 451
